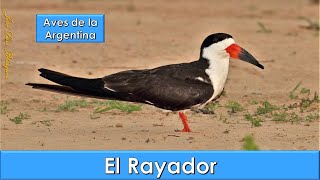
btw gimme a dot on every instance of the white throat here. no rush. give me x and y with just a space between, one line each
218 64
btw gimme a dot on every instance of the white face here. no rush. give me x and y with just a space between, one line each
216 51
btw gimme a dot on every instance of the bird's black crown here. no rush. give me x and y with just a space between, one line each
214 38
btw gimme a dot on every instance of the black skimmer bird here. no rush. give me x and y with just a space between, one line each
175 87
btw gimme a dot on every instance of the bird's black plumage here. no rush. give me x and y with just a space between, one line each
172 87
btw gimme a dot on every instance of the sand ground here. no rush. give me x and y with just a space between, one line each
145 34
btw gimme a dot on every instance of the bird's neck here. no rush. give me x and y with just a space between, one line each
217 70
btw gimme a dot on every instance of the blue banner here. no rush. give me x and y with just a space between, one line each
70 28
160 165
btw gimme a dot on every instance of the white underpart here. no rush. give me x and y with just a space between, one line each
218 64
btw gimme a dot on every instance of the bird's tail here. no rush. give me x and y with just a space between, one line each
70 84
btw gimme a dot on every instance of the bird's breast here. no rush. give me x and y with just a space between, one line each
218 72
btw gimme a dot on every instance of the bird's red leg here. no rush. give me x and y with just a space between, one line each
184 120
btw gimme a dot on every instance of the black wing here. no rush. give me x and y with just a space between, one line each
173 87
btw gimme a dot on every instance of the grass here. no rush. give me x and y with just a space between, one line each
249 143
234 106
3 107
253 102
266 107
291 93
94 116
18 119
312 25
302 98
109 105
223 119
284 113
101 106
305 91
312 117
255 121
284 116
263 28
305 101
72 105
280 116
213 106
46 122
316 97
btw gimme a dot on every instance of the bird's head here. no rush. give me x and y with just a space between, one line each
221 46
